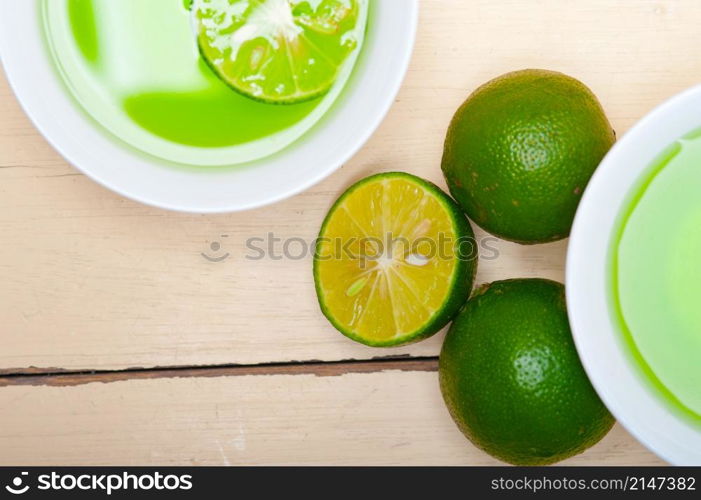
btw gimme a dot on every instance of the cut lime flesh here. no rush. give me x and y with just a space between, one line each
393 262
279 51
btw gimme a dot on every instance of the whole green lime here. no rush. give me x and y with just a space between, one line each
520 151
512 380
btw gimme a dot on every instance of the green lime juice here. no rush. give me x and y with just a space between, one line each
135 68
656 276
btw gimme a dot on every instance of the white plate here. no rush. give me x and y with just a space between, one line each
600 346
333 141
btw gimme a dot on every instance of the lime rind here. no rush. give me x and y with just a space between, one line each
459 284
279 51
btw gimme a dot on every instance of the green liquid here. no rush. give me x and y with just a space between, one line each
134 66
656 276
215 117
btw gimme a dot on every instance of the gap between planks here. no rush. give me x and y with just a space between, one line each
60 378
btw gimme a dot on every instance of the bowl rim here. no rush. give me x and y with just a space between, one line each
608 364
98 154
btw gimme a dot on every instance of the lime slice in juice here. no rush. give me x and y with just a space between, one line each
395 260
279 51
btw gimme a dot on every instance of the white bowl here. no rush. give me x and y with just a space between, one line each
603 354
333 141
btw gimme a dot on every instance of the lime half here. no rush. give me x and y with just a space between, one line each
395 260
279 51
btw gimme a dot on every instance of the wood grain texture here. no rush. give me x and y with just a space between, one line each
93 281
383 418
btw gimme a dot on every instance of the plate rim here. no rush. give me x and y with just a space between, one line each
609 367
61 121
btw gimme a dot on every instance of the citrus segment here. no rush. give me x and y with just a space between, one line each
279 51
393 261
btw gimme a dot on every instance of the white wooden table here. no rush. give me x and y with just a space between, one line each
121 344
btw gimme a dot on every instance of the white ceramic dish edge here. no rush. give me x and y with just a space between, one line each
134 175
600 347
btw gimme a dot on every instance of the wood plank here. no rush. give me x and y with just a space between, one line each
94 281
383 418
